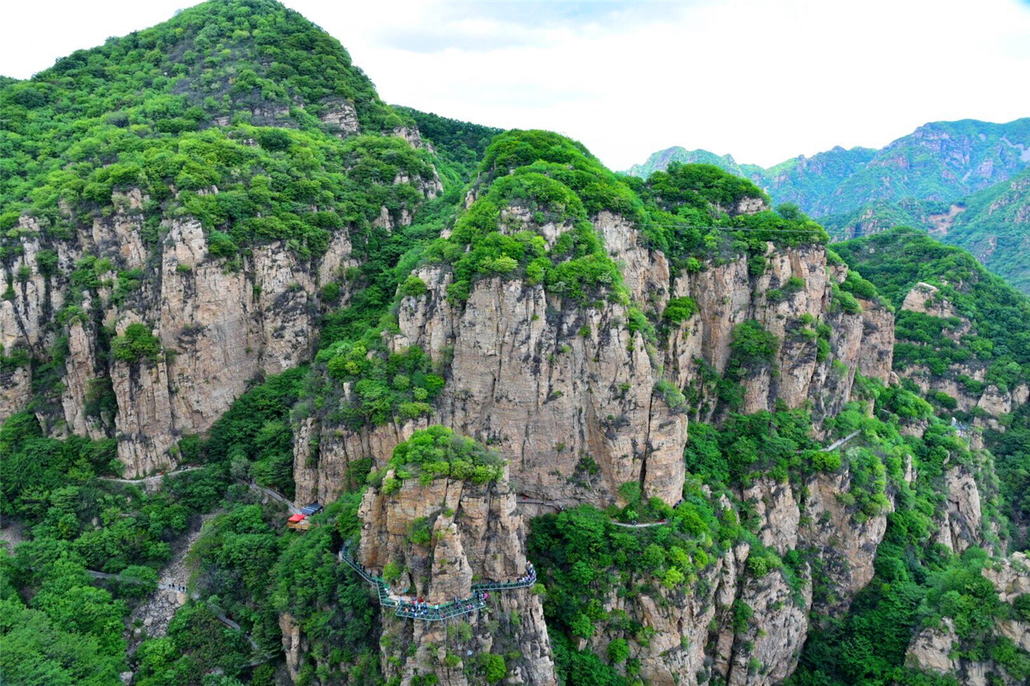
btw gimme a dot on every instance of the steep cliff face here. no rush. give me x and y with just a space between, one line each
966 381
727 296
469 534
743 622
219 317
938 650
219 325
553 386
570 392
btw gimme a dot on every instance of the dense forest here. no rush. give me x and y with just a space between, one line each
244 119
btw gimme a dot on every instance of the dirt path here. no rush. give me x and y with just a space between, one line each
153 616
273 495
12 533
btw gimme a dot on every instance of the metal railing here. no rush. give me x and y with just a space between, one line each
433 613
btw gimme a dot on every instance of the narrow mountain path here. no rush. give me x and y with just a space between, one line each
149 483
836 444
154 615
273 495
645 525
536 501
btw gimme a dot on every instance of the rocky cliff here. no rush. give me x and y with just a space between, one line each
573 395
216 323
433 540
966 381
941 652
219 326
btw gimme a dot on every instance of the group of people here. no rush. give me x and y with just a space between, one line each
530 576
418 608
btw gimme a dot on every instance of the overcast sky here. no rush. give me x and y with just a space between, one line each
763 80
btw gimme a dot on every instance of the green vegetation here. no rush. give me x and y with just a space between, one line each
227 115
385 385
583 557
69 633
460 145
692 213
986 223
679 310
897 260
842 181
136 344
996 341
436 452
176 109
551 179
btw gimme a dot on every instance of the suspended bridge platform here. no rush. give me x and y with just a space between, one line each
459 607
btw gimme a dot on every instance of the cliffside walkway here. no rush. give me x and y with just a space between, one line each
139 582
537 501
836 444
645 525
273 495
407 609
147 479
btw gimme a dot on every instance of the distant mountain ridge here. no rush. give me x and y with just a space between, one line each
938 161
965 181
993 224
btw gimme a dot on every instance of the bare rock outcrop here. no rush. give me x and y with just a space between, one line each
566 392
341 118
219 327
767 651
846 545
937 651
790 300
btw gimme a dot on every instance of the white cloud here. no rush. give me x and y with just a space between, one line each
762 80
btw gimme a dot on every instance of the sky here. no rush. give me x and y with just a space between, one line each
762 80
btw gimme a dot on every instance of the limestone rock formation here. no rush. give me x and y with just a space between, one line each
964 381
473 534
552 386
561 388
221 323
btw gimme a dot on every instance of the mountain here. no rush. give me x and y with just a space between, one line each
993 224
927 179
961 345
939 161
302 387
660 161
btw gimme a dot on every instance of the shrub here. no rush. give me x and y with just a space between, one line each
136 344
673 397
843 301
618 651
493 666
391 572
752 345
221 245
437 451
826 462
420 534
679 310
331 292
413 287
